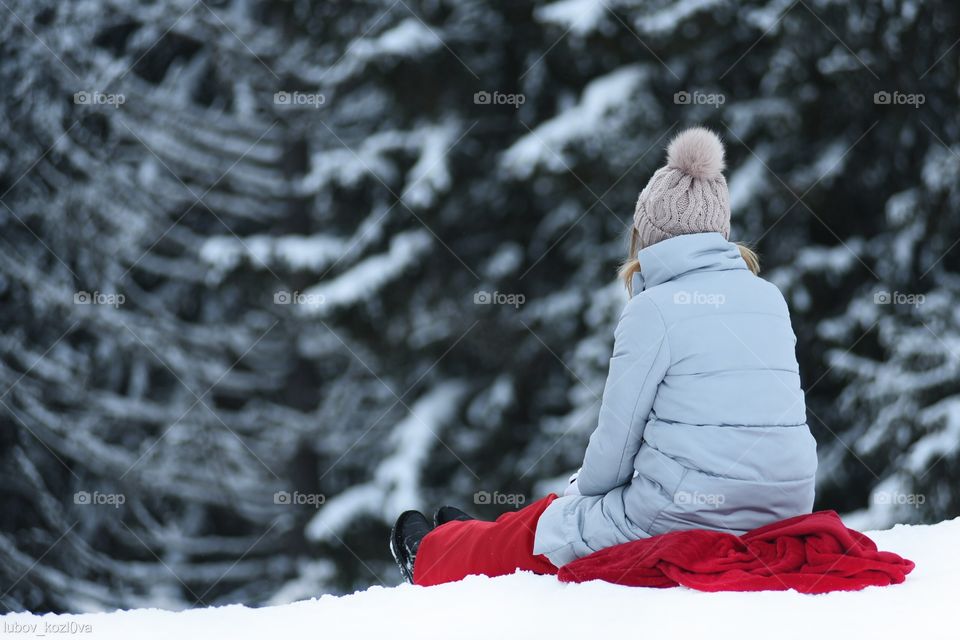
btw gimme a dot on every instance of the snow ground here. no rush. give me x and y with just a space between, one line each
529 606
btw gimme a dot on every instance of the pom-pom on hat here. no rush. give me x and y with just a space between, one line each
689 194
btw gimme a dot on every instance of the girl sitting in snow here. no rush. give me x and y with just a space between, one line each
702 423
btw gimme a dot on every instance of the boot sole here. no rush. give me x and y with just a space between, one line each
396 550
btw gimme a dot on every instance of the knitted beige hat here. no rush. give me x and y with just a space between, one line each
689 195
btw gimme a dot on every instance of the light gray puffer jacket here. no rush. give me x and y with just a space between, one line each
703 422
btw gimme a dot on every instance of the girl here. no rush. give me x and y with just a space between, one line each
702 423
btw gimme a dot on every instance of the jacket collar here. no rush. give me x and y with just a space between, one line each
681 255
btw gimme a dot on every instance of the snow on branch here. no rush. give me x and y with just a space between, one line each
369 275
579 17
544 146
395 485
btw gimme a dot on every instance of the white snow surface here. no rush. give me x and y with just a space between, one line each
528 606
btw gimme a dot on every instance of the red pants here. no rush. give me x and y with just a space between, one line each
458 549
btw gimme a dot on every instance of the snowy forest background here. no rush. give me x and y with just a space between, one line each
272 271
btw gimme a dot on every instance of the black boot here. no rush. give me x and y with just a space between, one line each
405 539
447 514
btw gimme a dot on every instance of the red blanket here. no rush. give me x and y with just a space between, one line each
812 553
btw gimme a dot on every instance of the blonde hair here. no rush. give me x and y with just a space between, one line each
631 265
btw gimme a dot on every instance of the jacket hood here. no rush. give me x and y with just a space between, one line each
681 255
